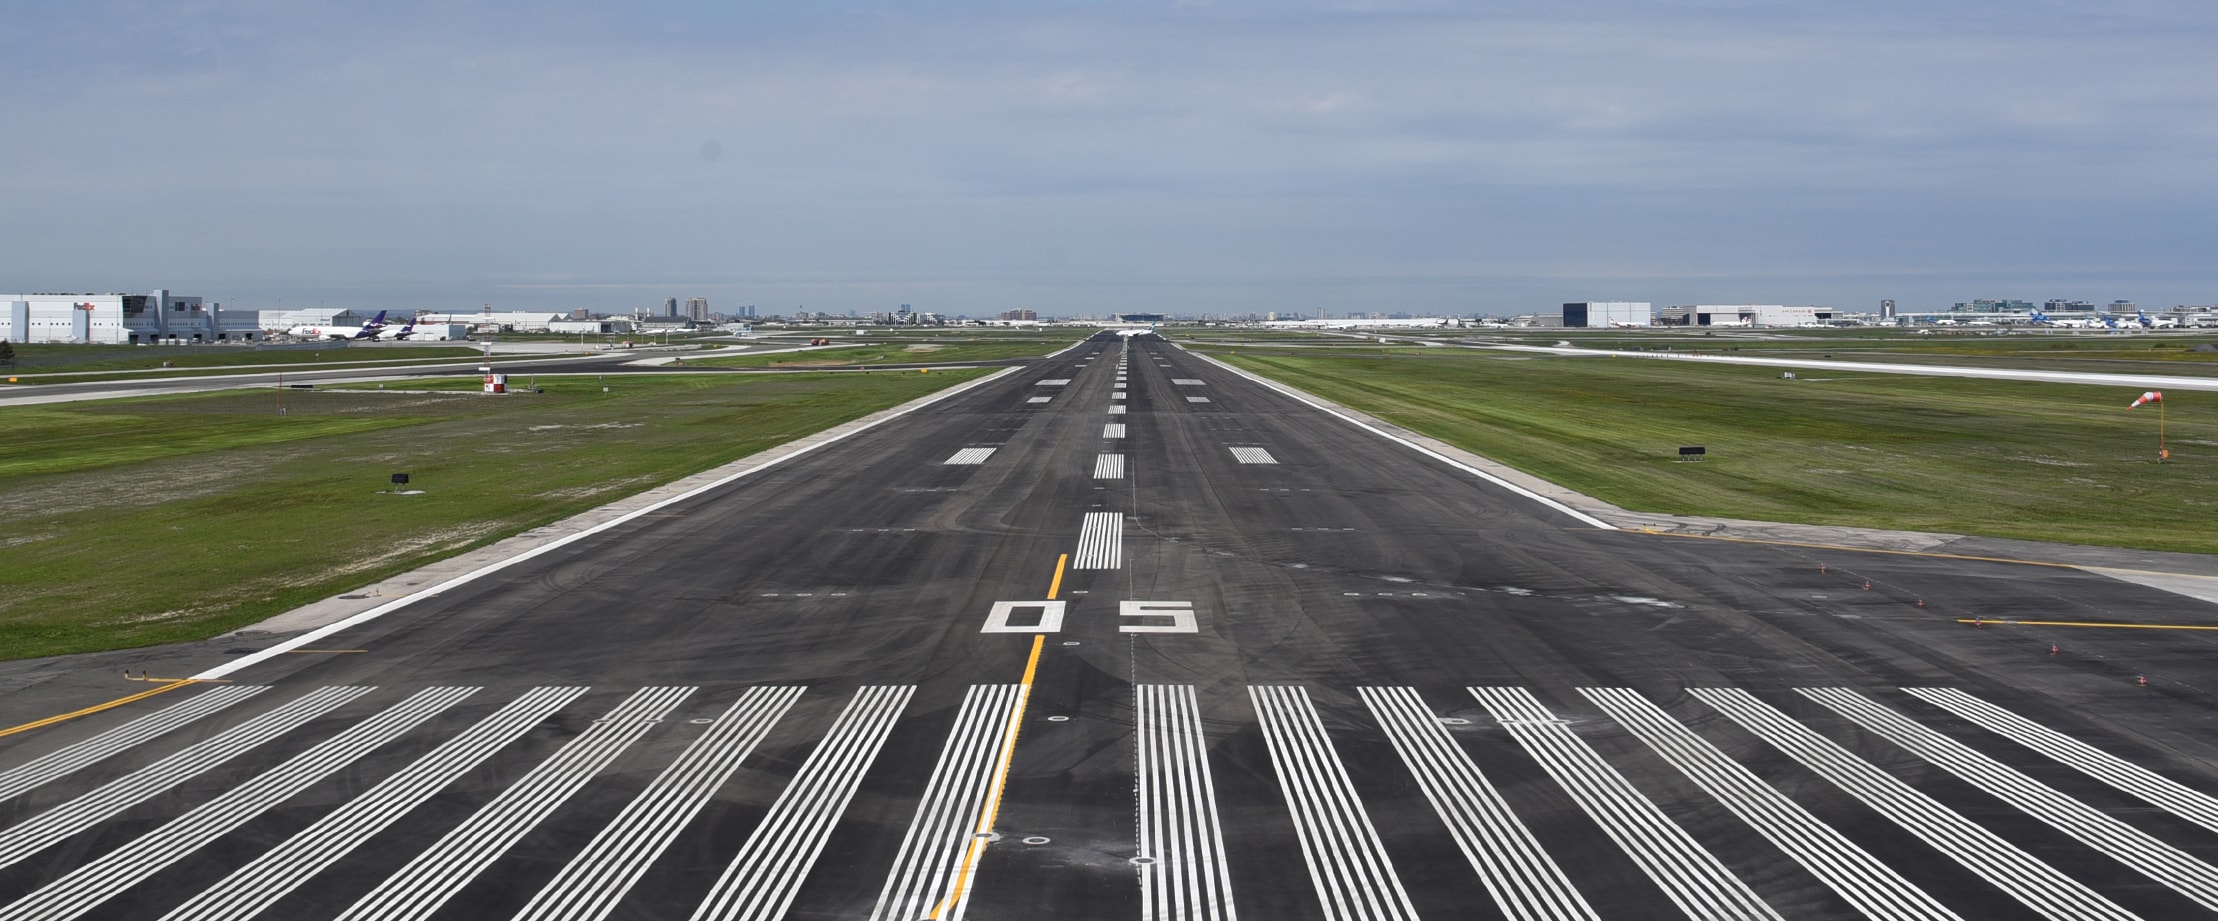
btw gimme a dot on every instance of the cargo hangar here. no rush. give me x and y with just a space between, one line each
123 319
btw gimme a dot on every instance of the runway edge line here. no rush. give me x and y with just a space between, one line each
1334 411
626 518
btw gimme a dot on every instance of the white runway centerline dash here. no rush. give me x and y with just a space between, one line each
1100 542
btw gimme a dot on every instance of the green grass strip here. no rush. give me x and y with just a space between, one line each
136 522
2001 458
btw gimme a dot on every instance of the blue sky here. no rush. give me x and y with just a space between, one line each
1083 157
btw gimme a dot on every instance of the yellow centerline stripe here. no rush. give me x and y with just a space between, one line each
73 714
1056 585
1981 621
992 811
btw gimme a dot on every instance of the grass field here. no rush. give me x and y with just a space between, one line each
134 522
2035 461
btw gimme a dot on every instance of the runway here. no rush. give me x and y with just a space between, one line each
1126 635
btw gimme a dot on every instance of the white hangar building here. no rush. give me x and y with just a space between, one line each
122 319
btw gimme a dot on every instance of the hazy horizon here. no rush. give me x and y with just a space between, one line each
1170 157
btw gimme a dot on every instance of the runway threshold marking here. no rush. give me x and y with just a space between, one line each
96 708
992 812
1984 621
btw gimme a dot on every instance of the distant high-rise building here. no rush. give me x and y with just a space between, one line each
669 306
697 309
1020 314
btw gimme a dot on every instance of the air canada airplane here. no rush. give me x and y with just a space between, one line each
369 330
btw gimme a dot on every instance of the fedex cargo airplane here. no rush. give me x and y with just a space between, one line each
368 331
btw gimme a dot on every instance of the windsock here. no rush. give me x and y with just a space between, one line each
2149 397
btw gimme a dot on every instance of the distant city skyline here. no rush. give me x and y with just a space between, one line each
1191 157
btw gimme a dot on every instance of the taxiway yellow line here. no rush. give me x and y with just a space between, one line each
88 711
992 811
1981 621
1056 585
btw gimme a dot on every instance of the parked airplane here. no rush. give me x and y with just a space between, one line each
1622 324
368 331
408 329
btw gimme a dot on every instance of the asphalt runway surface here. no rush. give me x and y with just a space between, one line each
1125 635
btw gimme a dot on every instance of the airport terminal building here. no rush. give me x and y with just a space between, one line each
122 319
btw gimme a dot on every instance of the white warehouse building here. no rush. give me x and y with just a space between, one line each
1759 315
1603 314
122 319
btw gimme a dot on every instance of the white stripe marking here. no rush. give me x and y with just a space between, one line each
1116 410
1055 382
612 863
1100 541
2017 873
1525 882
1860 878
1689 875
971 456
1179 831
2124 843
1109 467
931 866
760 882
435 875
2125 776
1113 430
38 771
1186 382
1039 399
1348 866
277 872
91 884
1253 456
1116 395
1197 399
69 818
